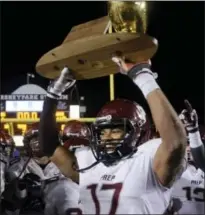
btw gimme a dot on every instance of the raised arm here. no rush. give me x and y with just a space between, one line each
48 133
169 156
190 119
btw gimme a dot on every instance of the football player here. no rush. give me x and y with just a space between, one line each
125 179
6 149
76 138
188 192
190 119
59 193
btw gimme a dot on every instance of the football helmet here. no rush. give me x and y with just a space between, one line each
131 118
6 143
75 134
31 142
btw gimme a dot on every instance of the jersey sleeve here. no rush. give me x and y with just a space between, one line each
61 195
48 132
84 157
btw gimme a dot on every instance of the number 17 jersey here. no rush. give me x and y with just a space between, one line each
129 187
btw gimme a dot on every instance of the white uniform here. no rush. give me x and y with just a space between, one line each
84 157
3 166
129 187
60 195
189 192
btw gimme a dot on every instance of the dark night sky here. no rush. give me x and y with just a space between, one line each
30 29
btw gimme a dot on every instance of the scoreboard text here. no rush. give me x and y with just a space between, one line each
21 116
18 127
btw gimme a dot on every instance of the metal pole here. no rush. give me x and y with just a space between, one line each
27 78
111 78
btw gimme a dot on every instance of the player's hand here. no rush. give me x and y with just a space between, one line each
174 206
189 118
62 83
125 65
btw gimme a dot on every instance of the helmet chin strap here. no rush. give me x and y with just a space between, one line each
87 168
104 161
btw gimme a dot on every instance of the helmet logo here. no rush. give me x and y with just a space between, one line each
104 118
70 134
34 131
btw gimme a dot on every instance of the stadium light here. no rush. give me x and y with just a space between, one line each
29 75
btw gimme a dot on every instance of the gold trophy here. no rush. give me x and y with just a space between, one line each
88 48
128 16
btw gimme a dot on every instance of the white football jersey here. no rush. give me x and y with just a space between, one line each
3 165
61 196
189 192
129 187
84 157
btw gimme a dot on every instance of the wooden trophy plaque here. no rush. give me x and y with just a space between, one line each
88 48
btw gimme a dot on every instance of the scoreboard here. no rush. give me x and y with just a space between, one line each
17 111
25 116
20 121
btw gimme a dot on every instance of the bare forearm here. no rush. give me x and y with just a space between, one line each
65 160
167 122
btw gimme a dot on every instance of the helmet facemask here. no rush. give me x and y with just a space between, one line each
7 147
32 147
113 139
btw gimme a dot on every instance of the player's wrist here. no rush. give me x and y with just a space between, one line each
52 96
138 68
192 129
195 139
146 82
53 93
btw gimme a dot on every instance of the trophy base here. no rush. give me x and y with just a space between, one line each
90 57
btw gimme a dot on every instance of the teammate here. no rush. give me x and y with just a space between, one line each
6 148
76 138
75 135
190 119
189 193
59 194
124 179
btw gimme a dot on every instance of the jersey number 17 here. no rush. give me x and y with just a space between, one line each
114 202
